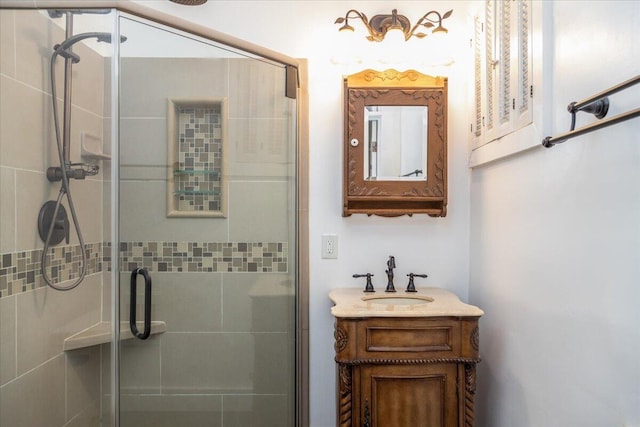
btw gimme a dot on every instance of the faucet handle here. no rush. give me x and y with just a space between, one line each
369 286
411 287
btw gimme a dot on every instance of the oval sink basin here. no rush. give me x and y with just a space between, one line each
397 299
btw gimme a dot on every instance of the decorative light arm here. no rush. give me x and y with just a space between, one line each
428 22
374 35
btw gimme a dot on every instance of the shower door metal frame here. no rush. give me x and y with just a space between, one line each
115 224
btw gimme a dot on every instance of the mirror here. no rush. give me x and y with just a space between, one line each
396 142
395 138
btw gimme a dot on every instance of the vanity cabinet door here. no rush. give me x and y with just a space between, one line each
409 395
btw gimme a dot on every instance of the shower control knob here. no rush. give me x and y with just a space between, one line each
60 223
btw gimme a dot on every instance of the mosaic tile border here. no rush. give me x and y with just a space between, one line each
20 271
235 257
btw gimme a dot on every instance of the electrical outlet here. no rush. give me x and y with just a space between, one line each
330 246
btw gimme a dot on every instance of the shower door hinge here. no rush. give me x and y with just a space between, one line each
292 83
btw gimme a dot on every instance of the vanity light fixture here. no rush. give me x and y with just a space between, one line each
379 25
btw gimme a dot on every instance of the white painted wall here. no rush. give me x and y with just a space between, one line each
555 246
555 234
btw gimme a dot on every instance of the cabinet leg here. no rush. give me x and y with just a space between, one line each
469 394
344 395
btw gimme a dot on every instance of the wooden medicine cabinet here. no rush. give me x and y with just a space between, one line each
395 144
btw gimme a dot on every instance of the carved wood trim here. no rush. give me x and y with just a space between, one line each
344 393
368 188
367 415
355 362
342 339
469 394
394 78
475 338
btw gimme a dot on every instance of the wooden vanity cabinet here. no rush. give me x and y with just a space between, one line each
406 372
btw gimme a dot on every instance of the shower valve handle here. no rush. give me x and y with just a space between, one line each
66 228
63 224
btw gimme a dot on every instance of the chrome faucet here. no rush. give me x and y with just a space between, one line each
391 264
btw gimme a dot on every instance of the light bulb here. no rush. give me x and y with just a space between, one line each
393 47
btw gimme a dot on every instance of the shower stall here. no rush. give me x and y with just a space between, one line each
151 221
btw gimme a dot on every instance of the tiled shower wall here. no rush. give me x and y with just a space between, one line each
40 385
230 358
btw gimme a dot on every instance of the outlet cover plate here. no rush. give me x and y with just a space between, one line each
329 246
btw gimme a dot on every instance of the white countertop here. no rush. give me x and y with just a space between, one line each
349 303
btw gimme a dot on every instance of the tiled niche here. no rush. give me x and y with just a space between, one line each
196 137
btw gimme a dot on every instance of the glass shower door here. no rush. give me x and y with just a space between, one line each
207 208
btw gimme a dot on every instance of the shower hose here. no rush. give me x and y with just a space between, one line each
64 191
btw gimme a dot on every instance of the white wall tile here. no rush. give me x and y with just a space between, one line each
26 402
7 43
258 302
35 37
188 302
83 383
258 211
265 411
259 148
140 365
144 217
8 339
256 90
34 191
172 410
24 116
46 317
7 210
148 82
143 149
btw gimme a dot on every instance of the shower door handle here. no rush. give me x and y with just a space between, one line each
147 303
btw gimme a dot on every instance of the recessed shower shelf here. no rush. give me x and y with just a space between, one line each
100 333
197 133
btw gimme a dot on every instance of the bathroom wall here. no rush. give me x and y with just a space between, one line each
555 245
421 244
40 385
555 238
222 285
